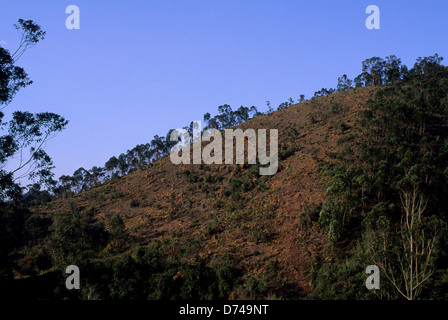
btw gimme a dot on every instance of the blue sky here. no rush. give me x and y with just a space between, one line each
139 68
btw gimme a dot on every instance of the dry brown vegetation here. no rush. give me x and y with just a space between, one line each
257 220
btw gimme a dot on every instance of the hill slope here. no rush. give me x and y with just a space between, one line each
229 210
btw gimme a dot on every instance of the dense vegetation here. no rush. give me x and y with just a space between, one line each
387 197
41 248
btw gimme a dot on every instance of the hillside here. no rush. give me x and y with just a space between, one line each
222 210
362 181
356 207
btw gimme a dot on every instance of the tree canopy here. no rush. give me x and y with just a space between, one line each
24 136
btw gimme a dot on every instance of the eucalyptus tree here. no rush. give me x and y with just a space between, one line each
24 136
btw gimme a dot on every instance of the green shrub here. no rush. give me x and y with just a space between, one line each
134 203
213 227
117 228
117 195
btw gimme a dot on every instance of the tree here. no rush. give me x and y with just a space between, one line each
159 146
393 69
268 104
117 229
409 262
64 187
428 65
418 246
323 92
359 81
344 83
26 133
226 116
96 175
242 114
79 179
373 71
75 238
111 166
207 118
123 164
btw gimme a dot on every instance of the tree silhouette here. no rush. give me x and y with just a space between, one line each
26 133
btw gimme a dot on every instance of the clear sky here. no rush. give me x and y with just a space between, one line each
138 68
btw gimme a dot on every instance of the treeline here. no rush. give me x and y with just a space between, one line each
375 72
137 158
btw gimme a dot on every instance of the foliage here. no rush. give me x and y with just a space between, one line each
404 147
26 133
117 228
75 238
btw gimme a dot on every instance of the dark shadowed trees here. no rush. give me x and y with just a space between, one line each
344 83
